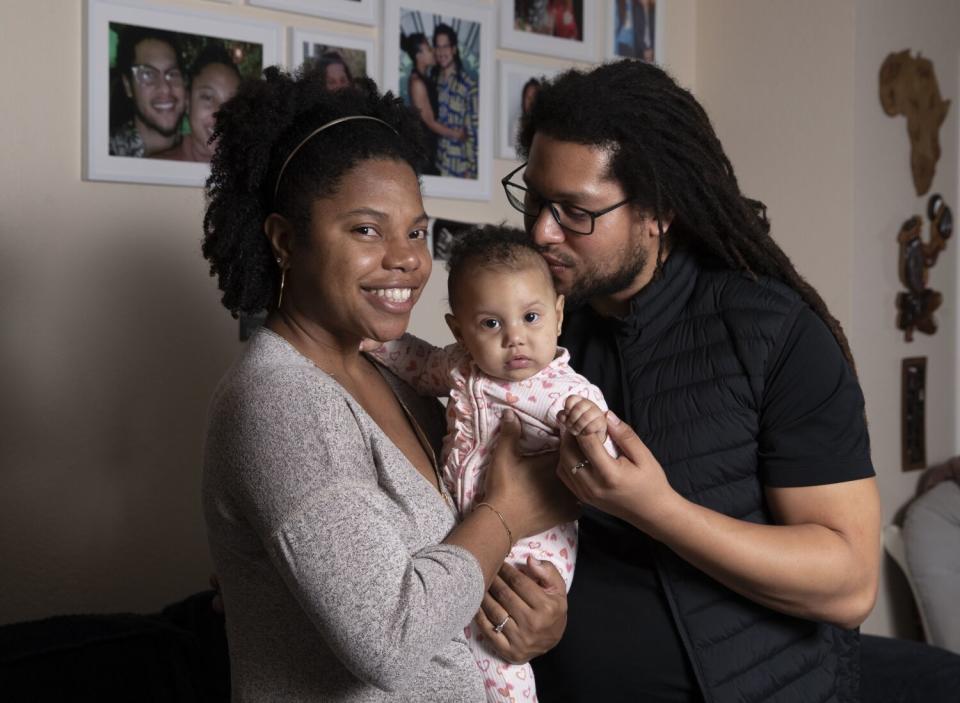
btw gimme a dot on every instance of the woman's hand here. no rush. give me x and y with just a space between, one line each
534 597
633 487
525 490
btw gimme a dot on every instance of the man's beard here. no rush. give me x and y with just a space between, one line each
159 129
593 283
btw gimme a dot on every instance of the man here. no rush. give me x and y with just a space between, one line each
456 107
733 550
148 61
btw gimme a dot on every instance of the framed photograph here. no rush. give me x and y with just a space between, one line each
155 78
635 30
438 56
343 57
565 28
443 233
359 11
519 83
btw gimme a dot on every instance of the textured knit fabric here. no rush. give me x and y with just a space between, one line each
327 543
473 418
693 357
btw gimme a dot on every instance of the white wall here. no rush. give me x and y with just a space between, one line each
113 336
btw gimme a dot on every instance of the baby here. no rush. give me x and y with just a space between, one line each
506 317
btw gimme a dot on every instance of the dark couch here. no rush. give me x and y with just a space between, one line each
180 656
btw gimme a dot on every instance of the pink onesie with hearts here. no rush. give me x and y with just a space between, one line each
473 418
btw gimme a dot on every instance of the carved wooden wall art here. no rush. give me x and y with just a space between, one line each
908 86
916 306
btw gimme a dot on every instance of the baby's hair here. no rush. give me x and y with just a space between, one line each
491 247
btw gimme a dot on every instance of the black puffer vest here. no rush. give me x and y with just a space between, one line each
693 352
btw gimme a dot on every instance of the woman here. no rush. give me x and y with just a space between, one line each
215 79
423 96
336 73
344 572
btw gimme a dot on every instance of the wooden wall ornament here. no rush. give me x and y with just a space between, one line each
913 402
908 86
916 306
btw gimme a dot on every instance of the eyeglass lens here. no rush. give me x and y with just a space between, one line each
149 77
530 204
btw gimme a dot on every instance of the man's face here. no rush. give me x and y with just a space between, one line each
156 87
444 51
614 262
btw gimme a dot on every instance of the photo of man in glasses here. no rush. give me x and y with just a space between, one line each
147 112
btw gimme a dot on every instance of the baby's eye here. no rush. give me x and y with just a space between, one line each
531 317
418 234
490 323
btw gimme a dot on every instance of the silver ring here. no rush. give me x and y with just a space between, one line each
579 465
499 628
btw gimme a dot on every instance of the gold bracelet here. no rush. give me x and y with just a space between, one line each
499 515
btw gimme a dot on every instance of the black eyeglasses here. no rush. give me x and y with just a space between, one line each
572 218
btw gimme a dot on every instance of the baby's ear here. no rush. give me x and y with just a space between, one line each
454 326
560 301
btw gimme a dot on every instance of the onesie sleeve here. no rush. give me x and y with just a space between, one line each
419 363
331 530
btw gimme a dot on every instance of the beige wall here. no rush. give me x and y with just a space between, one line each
113 337
884 198
792 90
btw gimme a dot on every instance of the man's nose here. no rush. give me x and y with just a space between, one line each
545 230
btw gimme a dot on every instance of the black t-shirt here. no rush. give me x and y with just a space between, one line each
621 643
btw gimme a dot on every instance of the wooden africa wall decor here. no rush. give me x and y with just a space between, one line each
908 86
916 306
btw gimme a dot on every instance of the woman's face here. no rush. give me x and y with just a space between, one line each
425 55
335 77
365 261
213 86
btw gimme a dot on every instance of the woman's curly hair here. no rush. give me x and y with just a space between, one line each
257 130
666 155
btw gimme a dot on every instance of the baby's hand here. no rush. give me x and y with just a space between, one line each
581 416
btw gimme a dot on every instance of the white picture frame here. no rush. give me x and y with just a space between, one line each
474 23
306 43
614 47
99 78
356 11
538 41
514 76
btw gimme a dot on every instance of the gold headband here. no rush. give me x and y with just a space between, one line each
331 123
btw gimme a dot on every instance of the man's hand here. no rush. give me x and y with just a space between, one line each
535 598
632 487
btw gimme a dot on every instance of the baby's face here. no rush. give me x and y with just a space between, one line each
508 320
